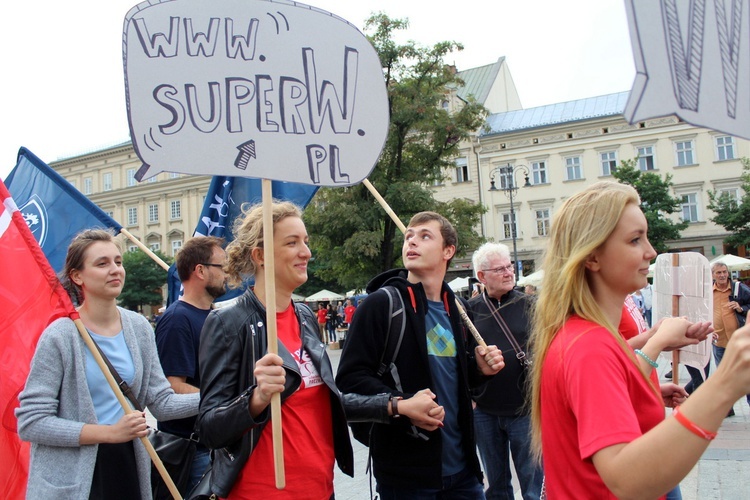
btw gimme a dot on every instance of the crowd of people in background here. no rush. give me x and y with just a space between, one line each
531 382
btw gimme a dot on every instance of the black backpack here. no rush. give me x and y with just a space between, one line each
362 430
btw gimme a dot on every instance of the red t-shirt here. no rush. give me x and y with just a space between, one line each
307 434
349 313
592 396
322 313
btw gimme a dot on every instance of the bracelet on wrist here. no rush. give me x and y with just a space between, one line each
647 358
692 426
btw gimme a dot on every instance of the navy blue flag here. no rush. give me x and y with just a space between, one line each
54 210
224 201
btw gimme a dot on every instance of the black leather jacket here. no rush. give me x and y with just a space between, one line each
232 340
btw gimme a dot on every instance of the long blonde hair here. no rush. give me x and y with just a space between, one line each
248 235
582 224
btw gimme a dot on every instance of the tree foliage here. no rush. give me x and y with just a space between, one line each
144 280
734 216
353 239
656 203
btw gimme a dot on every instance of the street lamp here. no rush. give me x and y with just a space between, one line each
508 185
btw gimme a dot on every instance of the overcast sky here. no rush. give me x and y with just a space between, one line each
62 90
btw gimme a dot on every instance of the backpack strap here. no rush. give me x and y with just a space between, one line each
397 322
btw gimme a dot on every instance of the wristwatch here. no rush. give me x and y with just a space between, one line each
394 406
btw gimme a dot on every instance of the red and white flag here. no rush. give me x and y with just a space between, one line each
31 297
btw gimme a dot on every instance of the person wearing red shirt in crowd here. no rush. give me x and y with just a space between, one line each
322 312
349 312
597 418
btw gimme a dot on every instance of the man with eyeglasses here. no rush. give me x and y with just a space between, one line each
199 265
501 314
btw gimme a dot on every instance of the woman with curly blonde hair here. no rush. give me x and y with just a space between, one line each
597 418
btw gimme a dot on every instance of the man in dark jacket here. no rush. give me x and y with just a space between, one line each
420 458
502 316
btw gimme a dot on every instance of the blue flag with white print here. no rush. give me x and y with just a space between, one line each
224 201
54 210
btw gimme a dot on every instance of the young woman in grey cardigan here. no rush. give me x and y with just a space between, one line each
83 445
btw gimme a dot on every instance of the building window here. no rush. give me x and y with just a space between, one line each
646 158
73 183
462 170
107 181
174 175
542 222
539 172
153 179
573 168
609 162
155 247
684 151
88 185
509 225
690 207
176 245
732 194
131 177
725 147
153 212
132 216
175 209
110 213
132 248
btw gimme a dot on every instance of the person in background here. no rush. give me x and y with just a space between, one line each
502 317
529 290
731 303
331 316
239 376
199 265
83 443
647 292
410 459
349 312
322 312
599 253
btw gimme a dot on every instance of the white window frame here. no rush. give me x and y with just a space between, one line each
574 166
539 174
88 185
132 248
175 209
724 147
684 153
462 170
130 175
646 158
107 181
734 193
174 175
509 226
542 216
690 205
608 161
153 213
155 247
132 216
176 245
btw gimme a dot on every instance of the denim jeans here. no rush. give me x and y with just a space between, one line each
718 354
461 486
201 461
498 438
674 494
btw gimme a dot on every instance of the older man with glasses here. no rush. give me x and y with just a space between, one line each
502 316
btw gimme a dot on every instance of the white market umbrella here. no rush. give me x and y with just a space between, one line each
534 279
733 262
324 296
459 284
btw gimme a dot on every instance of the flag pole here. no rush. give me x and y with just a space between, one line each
273 343
675 313
145 249
402 227
126 406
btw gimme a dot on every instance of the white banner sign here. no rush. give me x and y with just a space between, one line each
692 60
254 88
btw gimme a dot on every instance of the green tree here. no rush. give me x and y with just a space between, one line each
656 203
352 237
144 280
734 216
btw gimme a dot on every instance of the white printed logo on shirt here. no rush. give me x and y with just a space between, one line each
310 375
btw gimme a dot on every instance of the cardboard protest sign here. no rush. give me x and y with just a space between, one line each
685 289
255 88
692 61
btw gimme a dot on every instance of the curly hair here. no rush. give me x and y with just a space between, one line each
248 235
